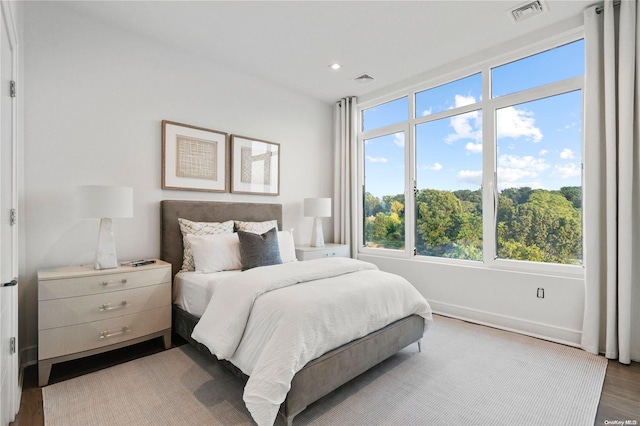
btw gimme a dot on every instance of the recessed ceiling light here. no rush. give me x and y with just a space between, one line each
335 66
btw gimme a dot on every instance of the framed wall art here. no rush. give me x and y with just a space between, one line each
194 158
255 166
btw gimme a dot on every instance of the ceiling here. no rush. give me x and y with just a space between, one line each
292 43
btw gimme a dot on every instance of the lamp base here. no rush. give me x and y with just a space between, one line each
317 236
106 253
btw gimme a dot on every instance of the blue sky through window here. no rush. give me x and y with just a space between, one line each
539 143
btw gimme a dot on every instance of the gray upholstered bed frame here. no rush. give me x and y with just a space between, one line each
318 377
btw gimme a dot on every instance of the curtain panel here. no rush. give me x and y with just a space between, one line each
611 323
345 191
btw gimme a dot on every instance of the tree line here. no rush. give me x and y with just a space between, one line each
532 224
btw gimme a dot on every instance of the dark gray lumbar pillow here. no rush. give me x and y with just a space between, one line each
259 249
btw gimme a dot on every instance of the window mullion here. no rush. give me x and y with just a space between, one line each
410 168
488 171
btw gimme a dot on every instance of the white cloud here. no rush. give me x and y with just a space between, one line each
518 171
526 163
467 125
570 126
398 139
567 154
543 152
461 100
376 159
475 148
470 176
516 123
427 112
506 174
566 171
436 167
511 122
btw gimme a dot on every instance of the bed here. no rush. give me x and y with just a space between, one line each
319 376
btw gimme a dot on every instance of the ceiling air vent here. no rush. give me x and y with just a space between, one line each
364 79
528 10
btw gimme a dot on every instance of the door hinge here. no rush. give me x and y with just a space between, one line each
12 88
13 217
12 345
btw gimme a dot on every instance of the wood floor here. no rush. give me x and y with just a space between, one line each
620 399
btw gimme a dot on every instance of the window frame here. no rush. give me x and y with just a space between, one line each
488 106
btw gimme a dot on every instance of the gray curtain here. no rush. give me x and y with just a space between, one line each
612 181
345 207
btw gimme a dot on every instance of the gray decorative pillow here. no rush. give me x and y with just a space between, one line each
259 249
199 228
256 227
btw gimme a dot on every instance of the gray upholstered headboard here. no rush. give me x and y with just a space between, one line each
205 211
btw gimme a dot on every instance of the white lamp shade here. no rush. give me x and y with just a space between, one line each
317 207
99 201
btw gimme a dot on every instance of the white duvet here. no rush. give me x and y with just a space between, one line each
329 302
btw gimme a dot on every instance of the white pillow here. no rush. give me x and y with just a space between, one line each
215 253
199 228
256 227
287 246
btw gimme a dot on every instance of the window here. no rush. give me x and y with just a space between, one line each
383 115
447 96
543 68
491 163
448 196
384 191
538 176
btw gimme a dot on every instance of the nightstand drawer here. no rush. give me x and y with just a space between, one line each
77 310
329 250
100 283
61 341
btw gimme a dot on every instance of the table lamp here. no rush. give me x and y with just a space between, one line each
317 208
104 203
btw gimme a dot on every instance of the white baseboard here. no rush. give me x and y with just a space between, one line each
539 330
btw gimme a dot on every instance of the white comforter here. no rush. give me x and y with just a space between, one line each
329 302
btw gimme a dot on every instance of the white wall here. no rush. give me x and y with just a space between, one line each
500 298
94 99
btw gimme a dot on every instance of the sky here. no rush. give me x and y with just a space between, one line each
539 143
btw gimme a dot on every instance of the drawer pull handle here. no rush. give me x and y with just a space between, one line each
114 282
107 333
107 306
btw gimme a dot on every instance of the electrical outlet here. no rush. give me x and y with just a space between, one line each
540 293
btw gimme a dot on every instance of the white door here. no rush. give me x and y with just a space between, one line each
9 386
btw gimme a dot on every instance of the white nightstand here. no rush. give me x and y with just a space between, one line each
83 311
307 252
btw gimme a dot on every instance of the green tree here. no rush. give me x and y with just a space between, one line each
517 195
573 194
546 228
533 225
435 224
371 205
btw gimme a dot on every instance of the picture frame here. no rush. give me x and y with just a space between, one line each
255 166
194 158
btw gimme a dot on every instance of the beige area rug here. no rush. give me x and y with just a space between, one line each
465 375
